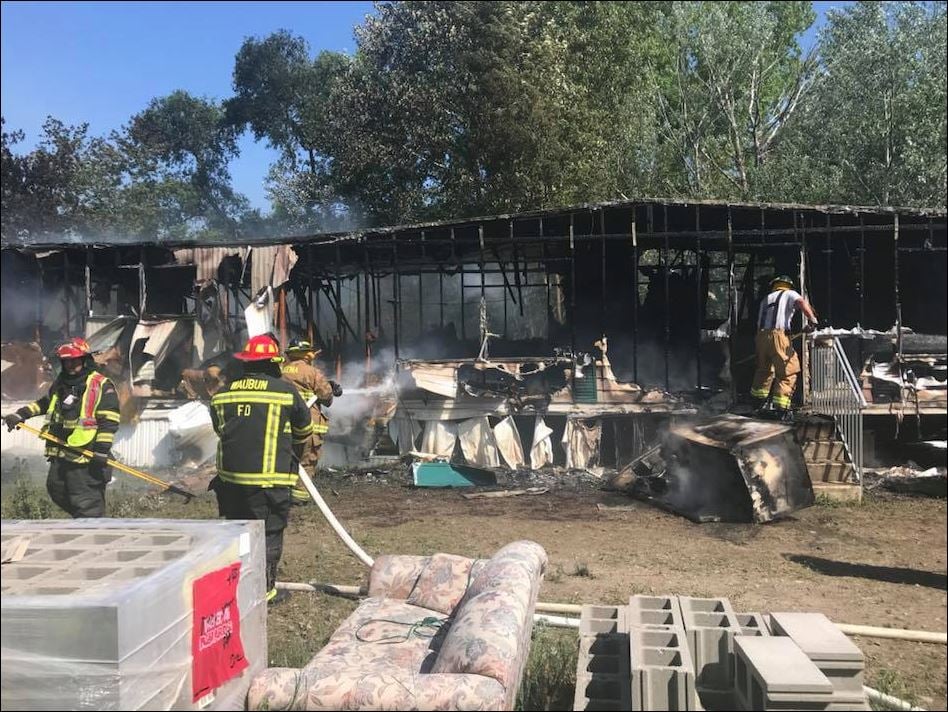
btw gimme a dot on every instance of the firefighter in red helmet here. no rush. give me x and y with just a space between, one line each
81 408
263 425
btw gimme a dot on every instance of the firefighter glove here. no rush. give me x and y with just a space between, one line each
12 420
336 389
101 458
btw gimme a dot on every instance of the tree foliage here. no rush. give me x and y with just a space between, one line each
458 108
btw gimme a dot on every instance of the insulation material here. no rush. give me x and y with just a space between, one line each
508 442
193 433
404 431
439 438
581 442
270 266
541 452
259 314
477 442
436 378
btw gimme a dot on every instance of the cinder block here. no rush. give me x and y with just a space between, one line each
711 626
602 620
602 667
663 676
773 673
654 612
98 613
600 691
752 624
827 646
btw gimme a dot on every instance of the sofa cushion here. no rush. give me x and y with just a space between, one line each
484 638
442 583
395 576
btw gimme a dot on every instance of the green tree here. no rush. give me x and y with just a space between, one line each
875 131
738 77
457 108
177 152
282 96
65 187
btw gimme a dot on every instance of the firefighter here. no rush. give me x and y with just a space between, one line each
311 383
263 425
82 408
777 362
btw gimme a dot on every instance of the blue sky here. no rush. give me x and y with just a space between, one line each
102 62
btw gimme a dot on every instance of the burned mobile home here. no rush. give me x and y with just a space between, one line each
563 338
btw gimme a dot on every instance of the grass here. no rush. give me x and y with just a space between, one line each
27 500
549 678
890 682
822 500
582 570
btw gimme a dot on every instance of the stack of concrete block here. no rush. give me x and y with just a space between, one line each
663 675
773 673
711 625
602 672
835 655
97 614
753 624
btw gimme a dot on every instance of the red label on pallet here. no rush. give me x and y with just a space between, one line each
217 653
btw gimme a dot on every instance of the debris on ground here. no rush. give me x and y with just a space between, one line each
909 479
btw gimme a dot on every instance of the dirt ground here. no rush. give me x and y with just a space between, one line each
880 563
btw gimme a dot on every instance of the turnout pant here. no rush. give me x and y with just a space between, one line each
78 488
271 504
309 461
777 366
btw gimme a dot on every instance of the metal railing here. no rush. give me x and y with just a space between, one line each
837 392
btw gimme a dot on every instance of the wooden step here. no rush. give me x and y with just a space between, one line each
830 471
824 450
838 491
816 429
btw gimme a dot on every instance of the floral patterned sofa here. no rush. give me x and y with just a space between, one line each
437 632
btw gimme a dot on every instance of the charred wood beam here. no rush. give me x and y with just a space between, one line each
503 272
341 320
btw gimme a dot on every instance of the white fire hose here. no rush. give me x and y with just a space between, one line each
327 512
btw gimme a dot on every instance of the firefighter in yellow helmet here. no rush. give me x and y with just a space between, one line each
318 392
82 408
263 425
777 362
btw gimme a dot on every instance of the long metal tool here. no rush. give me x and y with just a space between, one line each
151 479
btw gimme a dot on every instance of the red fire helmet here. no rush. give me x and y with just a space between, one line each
77 347
260 348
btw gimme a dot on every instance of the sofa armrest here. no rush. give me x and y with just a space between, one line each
395 576
449 691
278 689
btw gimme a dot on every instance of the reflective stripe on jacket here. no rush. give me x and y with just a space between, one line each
90 424
259 419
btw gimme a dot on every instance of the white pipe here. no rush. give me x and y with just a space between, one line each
556 621
333 522
322 588
893 703
919 636
559 608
